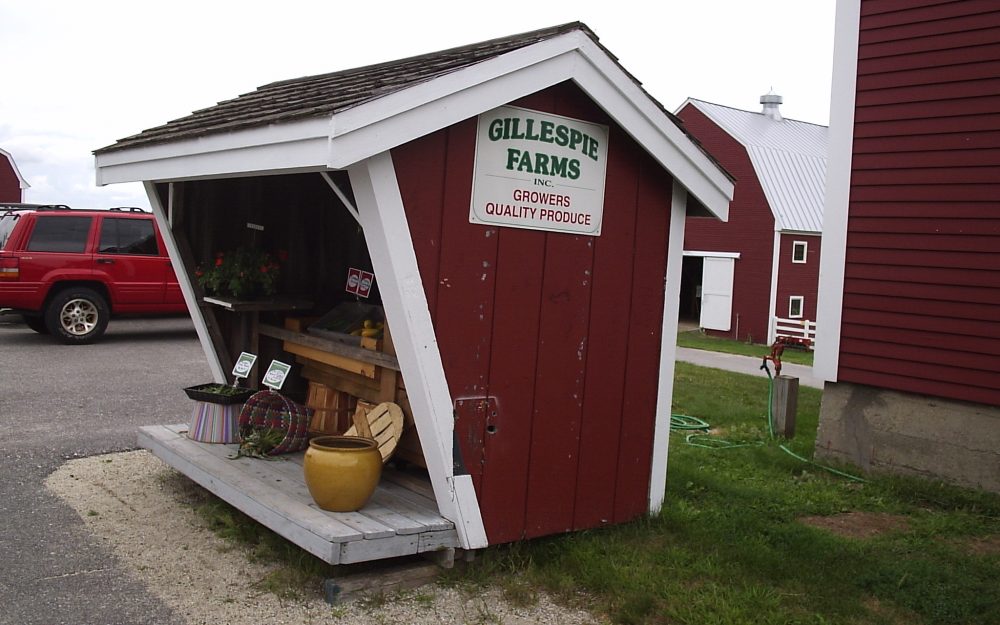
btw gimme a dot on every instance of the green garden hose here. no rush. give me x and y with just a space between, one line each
698 433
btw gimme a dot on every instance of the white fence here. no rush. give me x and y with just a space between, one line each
796 331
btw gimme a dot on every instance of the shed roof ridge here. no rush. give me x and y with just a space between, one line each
540 33
332 92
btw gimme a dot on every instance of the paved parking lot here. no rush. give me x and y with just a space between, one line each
58 402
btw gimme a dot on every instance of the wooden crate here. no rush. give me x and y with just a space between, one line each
332 409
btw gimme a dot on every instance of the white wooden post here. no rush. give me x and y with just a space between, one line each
380 208
668 348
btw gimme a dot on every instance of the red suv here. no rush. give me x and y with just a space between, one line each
68 271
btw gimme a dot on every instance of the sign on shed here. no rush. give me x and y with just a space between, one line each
539 171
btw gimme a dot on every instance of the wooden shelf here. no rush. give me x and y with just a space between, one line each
354 352
263 305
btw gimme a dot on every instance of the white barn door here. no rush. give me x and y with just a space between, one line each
717 293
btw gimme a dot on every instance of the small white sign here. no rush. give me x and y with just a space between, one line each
539 171
275 376
244 364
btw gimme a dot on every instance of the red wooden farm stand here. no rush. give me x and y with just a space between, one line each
538 363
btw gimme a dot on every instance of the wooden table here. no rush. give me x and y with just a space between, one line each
250 317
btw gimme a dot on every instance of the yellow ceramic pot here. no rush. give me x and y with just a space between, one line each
342 471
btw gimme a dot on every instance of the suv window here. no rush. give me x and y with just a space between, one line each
59 234
7 223
127 236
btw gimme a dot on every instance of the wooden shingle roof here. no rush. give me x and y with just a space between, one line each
327 94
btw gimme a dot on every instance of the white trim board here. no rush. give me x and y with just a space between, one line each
838 188
711 254
383 219
443 102
772 331
353 135
668 350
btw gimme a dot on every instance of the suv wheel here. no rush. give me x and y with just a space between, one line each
77 315
36 323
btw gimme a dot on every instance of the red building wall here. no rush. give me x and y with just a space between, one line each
749 231
798 278
563 331
921 310
10 186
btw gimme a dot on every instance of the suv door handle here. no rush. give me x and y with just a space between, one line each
105 261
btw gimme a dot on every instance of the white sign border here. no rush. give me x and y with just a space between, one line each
473 219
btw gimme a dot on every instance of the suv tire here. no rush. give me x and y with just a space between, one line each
77 315
36 323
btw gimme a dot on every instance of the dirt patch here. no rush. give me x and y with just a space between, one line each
891 613
141 509
984 545
858 524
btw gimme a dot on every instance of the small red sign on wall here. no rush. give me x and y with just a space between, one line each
360 282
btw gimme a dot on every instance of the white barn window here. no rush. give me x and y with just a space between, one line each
799 249
795 305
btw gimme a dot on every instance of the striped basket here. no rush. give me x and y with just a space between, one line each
214 423
270 409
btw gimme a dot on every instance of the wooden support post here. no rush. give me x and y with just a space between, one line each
785 405
444 558
383 579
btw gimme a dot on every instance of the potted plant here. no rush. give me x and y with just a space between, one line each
243 273
219 393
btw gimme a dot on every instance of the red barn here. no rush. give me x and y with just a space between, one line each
910 292
521 203
12 183
757 274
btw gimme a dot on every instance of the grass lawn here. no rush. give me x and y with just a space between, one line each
697 340
731 544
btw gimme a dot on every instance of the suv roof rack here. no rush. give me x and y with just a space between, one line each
18 206
8 208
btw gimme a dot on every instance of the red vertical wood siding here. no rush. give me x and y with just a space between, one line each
10 185
563 331
921 309
798 278
749 231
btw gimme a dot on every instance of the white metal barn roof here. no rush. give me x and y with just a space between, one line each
790 160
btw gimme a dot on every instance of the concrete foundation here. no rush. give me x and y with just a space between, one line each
888 431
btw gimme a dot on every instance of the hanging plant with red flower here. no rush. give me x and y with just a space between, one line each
241 273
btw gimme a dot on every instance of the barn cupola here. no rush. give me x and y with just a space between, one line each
771 103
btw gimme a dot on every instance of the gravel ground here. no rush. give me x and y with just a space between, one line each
136 505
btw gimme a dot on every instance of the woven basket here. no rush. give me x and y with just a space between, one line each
270 409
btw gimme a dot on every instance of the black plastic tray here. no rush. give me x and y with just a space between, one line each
196 393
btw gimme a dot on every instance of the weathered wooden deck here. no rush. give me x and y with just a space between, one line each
401 518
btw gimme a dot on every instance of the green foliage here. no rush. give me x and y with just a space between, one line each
295 571
730 546
257 442
224 390
242 273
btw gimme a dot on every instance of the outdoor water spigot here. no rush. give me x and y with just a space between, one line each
775 356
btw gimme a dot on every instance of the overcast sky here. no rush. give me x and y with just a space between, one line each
77 75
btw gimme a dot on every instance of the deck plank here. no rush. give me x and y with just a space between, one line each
281 470
426 517
266 512
396 522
